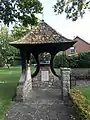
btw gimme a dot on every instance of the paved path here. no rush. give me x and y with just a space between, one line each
43 104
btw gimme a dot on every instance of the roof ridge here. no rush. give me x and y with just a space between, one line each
81 39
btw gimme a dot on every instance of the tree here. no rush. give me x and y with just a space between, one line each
44 57
72 8
19 31
19 10
7 52
3 45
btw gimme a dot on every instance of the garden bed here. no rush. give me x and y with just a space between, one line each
80 97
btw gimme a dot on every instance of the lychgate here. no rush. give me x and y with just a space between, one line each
41 39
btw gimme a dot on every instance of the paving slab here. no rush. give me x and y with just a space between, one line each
42 104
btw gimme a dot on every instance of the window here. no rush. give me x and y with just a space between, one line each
72 50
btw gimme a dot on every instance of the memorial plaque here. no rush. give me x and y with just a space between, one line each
44 76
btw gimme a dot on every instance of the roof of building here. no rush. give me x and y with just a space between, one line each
42 34
81 40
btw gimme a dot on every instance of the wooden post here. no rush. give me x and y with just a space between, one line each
24 66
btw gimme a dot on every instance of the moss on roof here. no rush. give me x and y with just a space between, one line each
42 34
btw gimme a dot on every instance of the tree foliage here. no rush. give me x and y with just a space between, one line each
19 31
19 10
84 60
80 61
60 60
72 8
7 52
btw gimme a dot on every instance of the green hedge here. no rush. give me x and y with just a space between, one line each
80 61
15 62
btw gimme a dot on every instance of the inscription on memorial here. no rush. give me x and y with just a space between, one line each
44 76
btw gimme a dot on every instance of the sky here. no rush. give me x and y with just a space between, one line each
67 28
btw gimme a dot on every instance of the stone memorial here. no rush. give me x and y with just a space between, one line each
45 78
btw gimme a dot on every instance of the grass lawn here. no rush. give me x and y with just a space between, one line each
85 91
8 82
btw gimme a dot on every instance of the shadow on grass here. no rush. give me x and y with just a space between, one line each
7 92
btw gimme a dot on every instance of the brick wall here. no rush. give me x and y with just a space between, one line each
80 46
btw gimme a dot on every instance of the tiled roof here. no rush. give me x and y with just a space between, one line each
42 34
77 37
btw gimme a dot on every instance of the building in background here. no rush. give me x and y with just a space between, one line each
79 47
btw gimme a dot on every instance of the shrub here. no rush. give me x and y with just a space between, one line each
80 61
15 62
60 61
84 60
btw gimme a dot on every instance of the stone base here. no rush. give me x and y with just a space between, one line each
22 92
65 82
27 89
52 82
25 86
19 93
